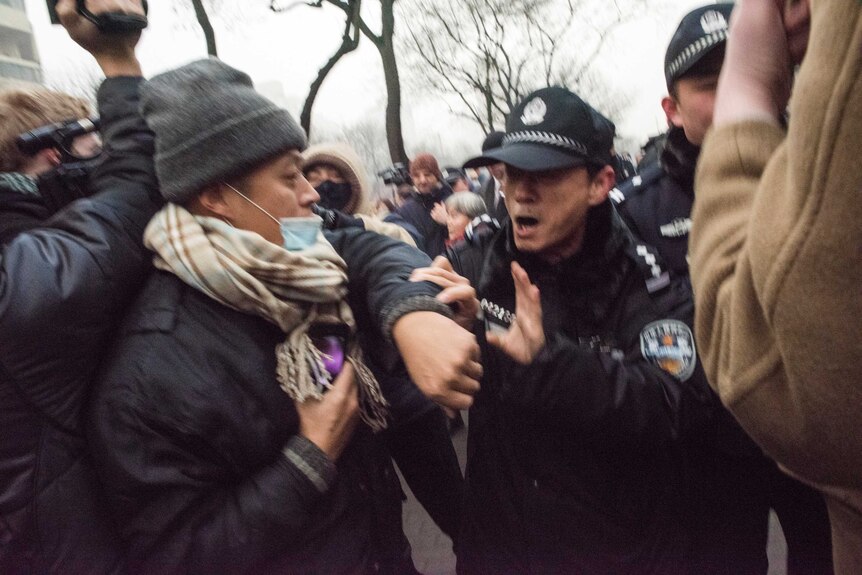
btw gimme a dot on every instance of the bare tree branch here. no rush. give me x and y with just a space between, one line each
355 25
349 43
277 7
206 26
488 54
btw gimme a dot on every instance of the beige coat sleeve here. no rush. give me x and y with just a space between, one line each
376 225
776 263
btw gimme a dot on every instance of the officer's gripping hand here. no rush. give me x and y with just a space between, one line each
526 336
457 291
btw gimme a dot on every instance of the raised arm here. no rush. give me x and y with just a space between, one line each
775 248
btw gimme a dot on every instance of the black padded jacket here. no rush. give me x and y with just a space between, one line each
573 461
198 447
63 288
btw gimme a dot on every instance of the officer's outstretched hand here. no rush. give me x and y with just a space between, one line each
114 52
526 337
457 291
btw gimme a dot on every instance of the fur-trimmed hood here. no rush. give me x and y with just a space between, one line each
344 158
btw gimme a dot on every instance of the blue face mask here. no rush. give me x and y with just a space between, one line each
300 233
297 233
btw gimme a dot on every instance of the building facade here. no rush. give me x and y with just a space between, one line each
19 59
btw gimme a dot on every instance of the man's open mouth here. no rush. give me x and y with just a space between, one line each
526 222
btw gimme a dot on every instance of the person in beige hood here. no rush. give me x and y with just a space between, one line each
419 438
336 172
776 247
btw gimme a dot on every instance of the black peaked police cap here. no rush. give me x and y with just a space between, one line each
552 129
698 33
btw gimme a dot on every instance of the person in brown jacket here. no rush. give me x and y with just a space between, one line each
776 247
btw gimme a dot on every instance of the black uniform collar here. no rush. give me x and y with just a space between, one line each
679 158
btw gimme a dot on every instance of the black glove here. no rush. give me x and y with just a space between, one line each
335 220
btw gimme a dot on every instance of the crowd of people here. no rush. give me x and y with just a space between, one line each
214 347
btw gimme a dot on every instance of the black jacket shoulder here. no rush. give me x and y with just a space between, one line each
416 212
214 489
19 213
63 287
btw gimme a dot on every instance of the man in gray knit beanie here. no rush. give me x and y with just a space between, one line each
214 438
211 124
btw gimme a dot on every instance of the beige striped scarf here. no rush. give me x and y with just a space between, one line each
245 272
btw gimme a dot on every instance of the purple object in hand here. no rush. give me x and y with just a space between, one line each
332 348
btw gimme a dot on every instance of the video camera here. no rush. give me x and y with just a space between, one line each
70 180
452 175
60 135
396 174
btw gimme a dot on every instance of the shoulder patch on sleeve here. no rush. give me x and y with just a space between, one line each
617 196
646 178
669 345
656 276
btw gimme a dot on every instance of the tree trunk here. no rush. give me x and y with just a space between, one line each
347 45
386 47
204 22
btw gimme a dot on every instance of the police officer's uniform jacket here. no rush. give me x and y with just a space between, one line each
729 483
656 204
571 463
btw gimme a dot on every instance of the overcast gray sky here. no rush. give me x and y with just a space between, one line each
283 52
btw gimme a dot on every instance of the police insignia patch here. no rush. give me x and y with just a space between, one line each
669 345
534 112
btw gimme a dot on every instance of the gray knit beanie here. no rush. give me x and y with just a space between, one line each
210 125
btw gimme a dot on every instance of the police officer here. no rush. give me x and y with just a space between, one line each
32 186
590 368
491 191
731 484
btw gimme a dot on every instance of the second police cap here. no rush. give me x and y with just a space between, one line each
698 33
551 129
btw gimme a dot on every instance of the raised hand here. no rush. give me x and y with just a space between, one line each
329 422
457 290
114 52
439 214
526 336
766 38
797 25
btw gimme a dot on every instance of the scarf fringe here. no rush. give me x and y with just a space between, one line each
243 271
301 382
373 407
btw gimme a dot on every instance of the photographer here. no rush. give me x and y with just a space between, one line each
63 284
431 190
23 201
398 179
